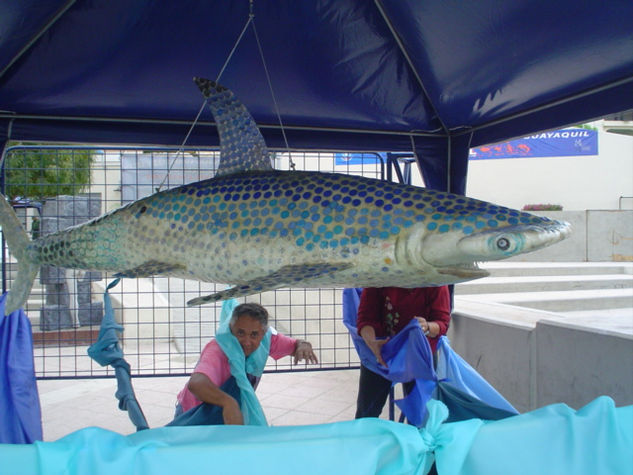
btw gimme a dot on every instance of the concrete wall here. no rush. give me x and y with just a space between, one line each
609 235
534 358
597 236
500 352
576 365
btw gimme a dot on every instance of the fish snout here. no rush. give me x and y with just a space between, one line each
456 249
511 241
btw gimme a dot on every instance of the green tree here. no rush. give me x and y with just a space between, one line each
42 173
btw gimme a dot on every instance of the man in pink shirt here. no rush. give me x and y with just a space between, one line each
212 382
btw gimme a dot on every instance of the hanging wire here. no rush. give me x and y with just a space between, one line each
239 39
181 149
272 92
250 21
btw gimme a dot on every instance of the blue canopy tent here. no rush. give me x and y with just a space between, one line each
393 75
435 78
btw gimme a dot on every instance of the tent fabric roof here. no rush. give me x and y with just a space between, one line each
346 74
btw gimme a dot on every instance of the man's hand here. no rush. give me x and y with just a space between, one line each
231 413
206 391
303 351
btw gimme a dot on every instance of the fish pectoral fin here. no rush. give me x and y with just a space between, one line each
287 276
151 268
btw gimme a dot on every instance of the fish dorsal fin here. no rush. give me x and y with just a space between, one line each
242 147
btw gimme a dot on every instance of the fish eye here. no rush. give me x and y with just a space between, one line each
503 243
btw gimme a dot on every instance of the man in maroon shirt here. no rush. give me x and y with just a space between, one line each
382 313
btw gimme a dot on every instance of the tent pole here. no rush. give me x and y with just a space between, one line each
120 120
542 107
404 52
37 36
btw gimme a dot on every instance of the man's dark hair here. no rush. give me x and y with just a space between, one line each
253 310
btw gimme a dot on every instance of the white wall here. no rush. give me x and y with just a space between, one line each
576 183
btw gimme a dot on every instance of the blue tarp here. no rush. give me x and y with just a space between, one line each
20 415
389 75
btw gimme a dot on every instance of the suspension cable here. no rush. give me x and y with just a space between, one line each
181 149
249 21
272 93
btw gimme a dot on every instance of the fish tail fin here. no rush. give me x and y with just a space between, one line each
17 240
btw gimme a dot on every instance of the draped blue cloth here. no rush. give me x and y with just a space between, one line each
208 414
464 391
409 358
552 440
20 413
107 351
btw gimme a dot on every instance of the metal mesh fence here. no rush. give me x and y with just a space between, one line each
53 188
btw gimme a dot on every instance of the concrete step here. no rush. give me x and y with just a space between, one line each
555 287
34 305
37 298
562 301
613 314
34 315
511 268
544 283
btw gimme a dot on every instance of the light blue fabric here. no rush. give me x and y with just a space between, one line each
364 447
452 368
597 439
450 443
240 365
20 414
553 440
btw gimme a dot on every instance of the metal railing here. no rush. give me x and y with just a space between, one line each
162 336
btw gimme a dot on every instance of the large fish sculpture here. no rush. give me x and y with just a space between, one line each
260 229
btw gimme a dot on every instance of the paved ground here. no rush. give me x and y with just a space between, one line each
287 398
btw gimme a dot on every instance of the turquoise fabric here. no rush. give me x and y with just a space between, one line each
240 365
369 446
597 439
553 440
